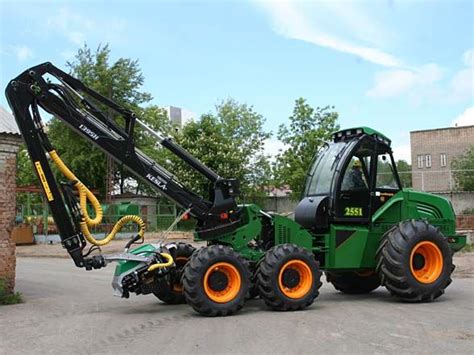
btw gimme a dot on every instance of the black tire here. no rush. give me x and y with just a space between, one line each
414 261
271 278
353 283
216 281
170 289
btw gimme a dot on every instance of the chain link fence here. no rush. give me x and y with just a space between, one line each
442 180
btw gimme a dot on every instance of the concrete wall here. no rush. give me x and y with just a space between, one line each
281 204
461 200
9 145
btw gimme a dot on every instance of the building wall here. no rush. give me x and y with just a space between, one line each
451 142
9 145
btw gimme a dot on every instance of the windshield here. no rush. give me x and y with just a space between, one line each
320 176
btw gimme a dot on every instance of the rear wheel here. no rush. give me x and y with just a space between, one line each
170 289
353 282
414 261
288 278
216 281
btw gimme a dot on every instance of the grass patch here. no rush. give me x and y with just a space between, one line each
8 298
468 248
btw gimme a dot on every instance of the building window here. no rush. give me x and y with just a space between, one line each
428 160
442 160
420 161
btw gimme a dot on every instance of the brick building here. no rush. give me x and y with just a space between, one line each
10 140
432 152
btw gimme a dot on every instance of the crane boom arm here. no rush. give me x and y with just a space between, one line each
77 105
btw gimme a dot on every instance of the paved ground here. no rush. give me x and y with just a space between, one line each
68 310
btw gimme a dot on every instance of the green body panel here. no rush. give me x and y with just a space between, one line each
240 238
408 204
285 231
352 246
124 266
346 246
288 231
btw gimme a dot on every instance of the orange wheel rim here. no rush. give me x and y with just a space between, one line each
426 262
222 282
295 279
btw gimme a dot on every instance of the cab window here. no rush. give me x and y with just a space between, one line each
385 173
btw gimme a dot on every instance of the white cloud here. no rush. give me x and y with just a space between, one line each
461 86
426 83
464 119
468 57
22 52
77 27
293 22
392 83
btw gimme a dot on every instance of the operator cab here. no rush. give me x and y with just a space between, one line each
350 178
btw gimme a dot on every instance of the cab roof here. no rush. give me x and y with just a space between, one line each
360 131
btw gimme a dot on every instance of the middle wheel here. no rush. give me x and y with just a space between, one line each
216 281
289 278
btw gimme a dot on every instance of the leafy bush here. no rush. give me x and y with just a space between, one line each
8 298
468 211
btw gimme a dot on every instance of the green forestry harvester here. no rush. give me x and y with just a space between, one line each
355 222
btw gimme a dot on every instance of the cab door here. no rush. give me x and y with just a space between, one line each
353 194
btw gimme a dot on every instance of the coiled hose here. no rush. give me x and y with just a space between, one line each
86 195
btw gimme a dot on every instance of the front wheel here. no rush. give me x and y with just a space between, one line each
216 281
288 278
414 261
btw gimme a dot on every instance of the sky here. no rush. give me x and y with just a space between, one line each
396 66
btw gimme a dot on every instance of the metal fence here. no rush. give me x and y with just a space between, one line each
38 216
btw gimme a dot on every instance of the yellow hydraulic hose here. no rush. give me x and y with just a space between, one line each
169 262
86 195
117 227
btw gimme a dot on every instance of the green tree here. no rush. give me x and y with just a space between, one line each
463 167
404 171
121 81
309 128
24 172
229 141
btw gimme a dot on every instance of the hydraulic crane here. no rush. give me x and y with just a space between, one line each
355 220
